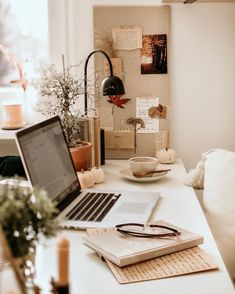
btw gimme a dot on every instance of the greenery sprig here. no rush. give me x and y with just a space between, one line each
26 215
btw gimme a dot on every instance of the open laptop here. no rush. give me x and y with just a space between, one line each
48 164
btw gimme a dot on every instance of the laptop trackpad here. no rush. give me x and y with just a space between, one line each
132 207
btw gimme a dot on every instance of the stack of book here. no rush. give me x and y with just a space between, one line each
134 259
124 250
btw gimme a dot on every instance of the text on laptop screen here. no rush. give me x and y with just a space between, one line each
48 160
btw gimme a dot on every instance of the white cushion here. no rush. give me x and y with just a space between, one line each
219 202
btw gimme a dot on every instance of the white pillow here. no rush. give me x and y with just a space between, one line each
219 202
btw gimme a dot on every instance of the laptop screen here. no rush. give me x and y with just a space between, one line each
47 159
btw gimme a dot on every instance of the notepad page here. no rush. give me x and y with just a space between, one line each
184 262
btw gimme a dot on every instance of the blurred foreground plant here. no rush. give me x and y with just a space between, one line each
26 215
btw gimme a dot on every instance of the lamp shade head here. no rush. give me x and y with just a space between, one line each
112 85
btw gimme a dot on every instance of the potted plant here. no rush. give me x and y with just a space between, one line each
60 93
26 216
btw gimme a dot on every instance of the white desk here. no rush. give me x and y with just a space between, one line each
7 143
178 205
7 134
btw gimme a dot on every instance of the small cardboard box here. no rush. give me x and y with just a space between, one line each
119 139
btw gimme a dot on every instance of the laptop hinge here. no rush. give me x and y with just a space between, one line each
68 199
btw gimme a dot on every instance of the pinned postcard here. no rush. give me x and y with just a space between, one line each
142 106
127 37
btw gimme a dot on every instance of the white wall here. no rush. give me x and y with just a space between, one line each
202 69
202 79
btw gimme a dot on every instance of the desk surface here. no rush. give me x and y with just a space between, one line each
178 205
7 134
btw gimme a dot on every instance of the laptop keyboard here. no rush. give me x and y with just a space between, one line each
93 207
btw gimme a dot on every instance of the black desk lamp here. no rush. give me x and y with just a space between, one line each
110 86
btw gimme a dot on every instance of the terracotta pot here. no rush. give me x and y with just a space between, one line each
81 155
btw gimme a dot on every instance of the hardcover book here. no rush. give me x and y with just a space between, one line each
125 250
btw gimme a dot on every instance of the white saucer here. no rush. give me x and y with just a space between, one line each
127 174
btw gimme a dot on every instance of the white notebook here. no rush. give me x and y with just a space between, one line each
124 250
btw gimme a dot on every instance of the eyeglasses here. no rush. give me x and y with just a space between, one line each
146 230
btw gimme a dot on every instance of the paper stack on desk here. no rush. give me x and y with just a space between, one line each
125 250
183 262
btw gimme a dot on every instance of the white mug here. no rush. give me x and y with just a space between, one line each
143 164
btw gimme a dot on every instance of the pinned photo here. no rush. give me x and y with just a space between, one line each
154 54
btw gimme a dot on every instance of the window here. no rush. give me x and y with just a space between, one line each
23 39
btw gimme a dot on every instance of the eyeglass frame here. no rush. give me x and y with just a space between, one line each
174 232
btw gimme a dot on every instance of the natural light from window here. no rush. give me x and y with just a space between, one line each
24 39
31 17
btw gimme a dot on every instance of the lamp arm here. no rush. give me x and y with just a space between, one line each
85 72
107 57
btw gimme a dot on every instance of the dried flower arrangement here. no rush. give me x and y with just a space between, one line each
135 122
26 215
61 93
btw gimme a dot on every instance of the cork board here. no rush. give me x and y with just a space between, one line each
153 20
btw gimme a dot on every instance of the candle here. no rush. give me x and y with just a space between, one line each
63 257
12 116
